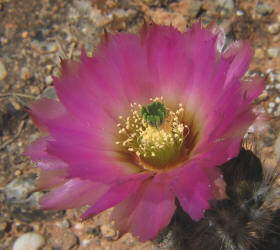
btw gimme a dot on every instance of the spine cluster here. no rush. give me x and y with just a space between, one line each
246 220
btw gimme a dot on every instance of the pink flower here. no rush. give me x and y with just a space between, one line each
145 121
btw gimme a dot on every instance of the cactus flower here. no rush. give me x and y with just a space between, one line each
143 122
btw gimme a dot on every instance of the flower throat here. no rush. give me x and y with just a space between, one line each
153 135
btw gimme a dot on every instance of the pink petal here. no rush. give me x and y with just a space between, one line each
37 151
193 191
90 164
243 55
45 109
50 178
146 212
115 195
73 194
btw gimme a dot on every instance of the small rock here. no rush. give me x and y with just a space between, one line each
3 226
16 104
52 47
24 34
66 224
263 96
239 12
3 71
226 5
79 226
271 105
273 28
277 77
19 189
29 241
264 9
50 93
34 90
107 231
276 39
25 74
259 53
48 80
273 52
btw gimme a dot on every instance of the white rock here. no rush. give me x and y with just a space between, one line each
29 241
272 105
239 13
273 52
18 189
277 99
273 28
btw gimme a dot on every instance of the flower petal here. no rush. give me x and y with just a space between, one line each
147 211
193 191
115 195
72 194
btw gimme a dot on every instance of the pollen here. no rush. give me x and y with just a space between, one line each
154 143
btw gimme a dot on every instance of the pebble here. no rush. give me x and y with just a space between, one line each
3 226
264 9
24 34
3 71
271 76
65 224
29 241
272 105
107 231
273 28
277 99
277 85
34 90
48 80
50 93
16 104
18 189
277 77
51 47
226 5
263 96
79 226
239 13
25 74
259 53
273 52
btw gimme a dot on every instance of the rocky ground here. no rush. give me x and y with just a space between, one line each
34 34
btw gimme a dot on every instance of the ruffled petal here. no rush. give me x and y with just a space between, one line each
147 211
51 178
192 188
37 151
73 194
116 194
243 53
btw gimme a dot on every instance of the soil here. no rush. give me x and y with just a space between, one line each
34 35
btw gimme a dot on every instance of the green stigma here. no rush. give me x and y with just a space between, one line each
154 114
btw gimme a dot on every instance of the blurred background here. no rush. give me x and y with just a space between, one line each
35 34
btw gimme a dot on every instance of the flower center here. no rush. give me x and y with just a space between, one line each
154 114
153 135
